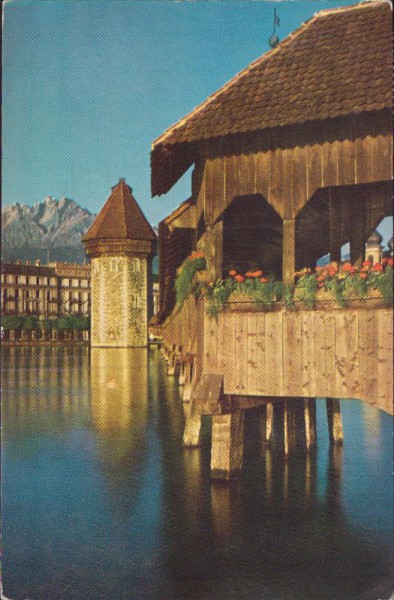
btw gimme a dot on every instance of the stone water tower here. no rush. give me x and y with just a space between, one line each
121 244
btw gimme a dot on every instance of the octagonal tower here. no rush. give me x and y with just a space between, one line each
121 244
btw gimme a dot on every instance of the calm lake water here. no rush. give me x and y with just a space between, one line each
100 500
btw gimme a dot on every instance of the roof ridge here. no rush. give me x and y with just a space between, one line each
357 6
263 58
122 184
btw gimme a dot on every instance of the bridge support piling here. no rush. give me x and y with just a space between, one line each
334 419
192 433
227 445
310 422
267 416
286 428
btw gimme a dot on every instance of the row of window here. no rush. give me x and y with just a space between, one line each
10 295
43 281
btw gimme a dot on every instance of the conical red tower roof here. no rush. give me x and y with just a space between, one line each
120 219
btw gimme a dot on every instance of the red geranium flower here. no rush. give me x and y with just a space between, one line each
390 262
346 267
363 275
264 280
367 263
232 273
377 267
197 255
239 278
257 273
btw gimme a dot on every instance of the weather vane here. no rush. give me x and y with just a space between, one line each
274 40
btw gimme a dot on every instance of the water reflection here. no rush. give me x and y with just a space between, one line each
97 484
119 416
44 387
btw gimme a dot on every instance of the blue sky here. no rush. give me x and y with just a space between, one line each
88 85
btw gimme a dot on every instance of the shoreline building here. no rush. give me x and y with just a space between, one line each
50 290
121 244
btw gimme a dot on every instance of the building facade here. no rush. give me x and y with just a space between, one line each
51 290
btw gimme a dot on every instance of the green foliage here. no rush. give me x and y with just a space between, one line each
72 322
62 323
79 322
185 283
338 287
288 296
308 287
218 294
264 294
384 283
30 323
356 286
10 322
48 324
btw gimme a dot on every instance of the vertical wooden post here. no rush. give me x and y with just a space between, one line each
267 414
285 428
288 265
189 381
334 419
310 422
192 433
357 243
227 445
334 227
182 369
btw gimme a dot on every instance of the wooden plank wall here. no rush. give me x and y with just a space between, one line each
288 171
181 328
342 353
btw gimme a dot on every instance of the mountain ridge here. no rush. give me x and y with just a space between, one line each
51 226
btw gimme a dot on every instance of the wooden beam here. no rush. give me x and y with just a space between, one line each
192 433
286 428
227 445
288 251
267 414
334 419
357 241
334 227
310 422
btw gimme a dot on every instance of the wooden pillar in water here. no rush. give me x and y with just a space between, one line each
310 422
267 416
285 428
192 433
227 445
334 419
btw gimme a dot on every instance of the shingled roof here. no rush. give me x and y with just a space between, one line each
336 64
120 218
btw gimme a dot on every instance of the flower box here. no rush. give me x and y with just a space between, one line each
240 298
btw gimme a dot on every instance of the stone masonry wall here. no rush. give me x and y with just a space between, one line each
119 301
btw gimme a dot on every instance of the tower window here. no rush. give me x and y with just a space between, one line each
114 264
135 264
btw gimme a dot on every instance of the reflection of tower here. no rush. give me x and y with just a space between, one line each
119 388
119 413
121 243
373 248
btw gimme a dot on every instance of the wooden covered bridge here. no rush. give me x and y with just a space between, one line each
292 160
